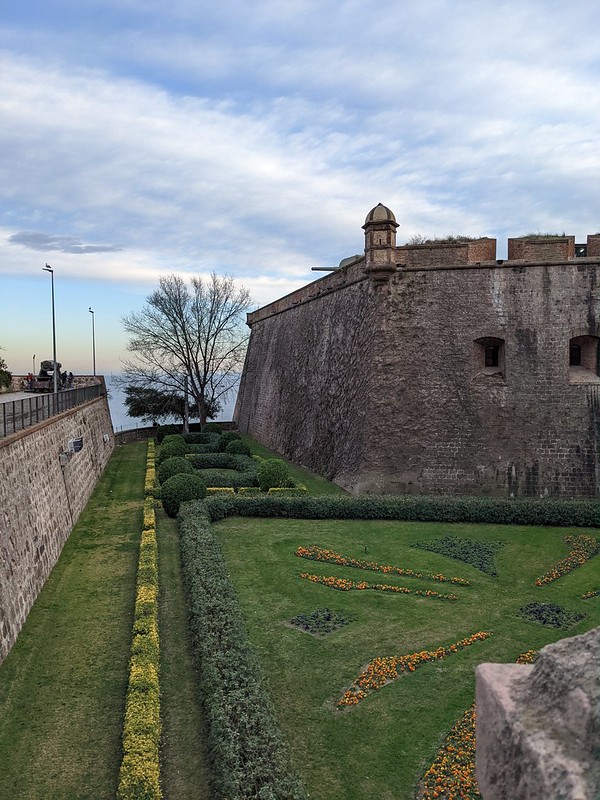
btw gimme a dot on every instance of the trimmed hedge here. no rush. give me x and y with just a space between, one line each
237 447
179 489
166 430
227 437
248 755
554 513
235 480
176 465
288 491
176 447
221 461
203 438
274 473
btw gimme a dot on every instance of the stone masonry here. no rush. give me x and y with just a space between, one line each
40 501
538 727
436 368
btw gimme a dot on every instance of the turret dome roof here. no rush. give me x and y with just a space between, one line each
380 213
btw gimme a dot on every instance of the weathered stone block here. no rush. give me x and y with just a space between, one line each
538 727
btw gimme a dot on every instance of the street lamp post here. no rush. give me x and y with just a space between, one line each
49 269
93 339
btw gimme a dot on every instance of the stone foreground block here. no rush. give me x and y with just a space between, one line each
538 726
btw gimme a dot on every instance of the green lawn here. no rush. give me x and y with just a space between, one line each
381 747
62 687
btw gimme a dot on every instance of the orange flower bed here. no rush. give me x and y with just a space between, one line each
583 547
452 774
316 553
591 593
346 585
382 671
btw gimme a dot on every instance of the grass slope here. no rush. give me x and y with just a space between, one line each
314 483
62 687
381 747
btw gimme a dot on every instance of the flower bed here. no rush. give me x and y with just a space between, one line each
550 614
382 671
478 554
452 774
583 547
591 593
346 585
320 622
316 553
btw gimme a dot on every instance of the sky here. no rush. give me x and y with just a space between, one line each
141 138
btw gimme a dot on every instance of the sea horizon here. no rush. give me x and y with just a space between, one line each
121 421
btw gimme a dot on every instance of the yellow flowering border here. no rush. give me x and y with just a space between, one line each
139 776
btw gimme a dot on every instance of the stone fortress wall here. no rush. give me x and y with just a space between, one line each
436 368
41 500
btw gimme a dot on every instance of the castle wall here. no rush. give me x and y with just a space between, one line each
40 501
305 391
382 386
451 425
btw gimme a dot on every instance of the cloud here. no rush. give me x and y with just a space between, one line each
64 244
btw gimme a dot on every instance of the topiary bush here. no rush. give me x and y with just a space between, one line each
210 440
177 465
173 437
226 438
179 489
165 430
238 448
175 447
273 472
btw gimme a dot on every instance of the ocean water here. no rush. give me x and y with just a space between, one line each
122 422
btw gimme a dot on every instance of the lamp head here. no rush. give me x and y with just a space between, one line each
47 268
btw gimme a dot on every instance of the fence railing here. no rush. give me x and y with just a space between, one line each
16 415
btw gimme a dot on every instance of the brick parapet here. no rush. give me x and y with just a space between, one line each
40 501
542 248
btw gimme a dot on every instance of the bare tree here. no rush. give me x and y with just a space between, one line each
190 339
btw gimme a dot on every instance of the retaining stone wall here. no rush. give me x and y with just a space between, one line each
40 501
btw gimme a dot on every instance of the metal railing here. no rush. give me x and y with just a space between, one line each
16 415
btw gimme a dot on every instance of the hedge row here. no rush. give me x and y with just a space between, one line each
248 755
555 513
139 776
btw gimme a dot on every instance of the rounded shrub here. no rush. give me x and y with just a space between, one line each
173 437
177 465
238 448
179 489
226 437
165 430
273 472
176 447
